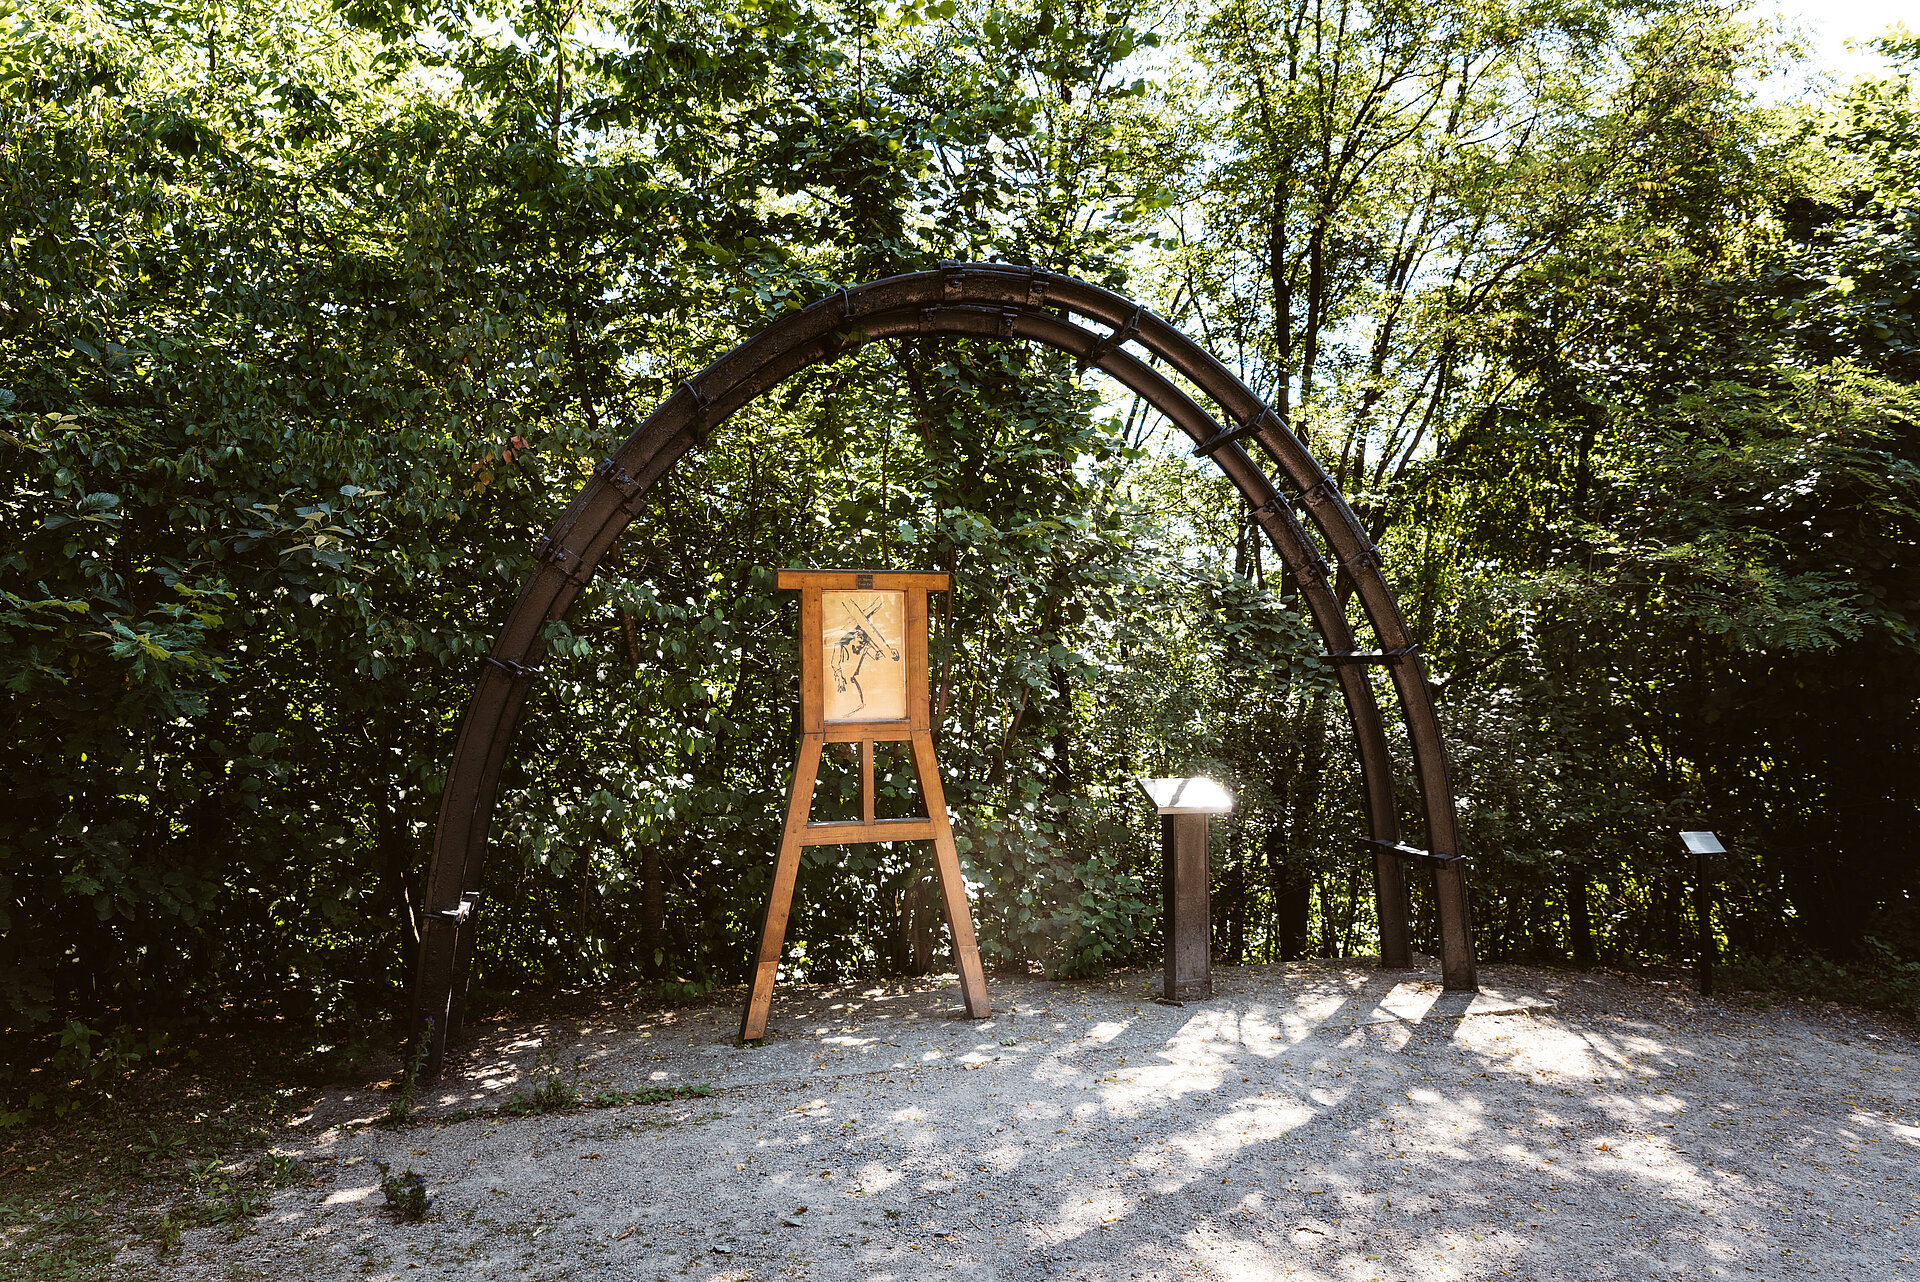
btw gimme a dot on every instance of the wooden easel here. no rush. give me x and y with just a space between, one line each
858 645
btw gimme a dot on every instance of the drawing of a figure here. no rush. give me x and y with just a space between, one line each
862 639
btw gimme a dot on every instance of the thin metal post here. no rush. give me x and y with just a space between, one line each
1703 909
1703 846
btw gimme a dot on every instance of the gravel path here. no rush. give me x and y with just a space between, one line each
1316 1121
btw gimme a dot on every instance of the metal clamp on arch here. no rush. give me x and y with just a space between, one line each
469 904
702 407
1038 282
1401 850
1252 427
1314 568
1319 492
622 480
1372 656
1106 346
1325 492
953 280
515 670
550 553
1369 559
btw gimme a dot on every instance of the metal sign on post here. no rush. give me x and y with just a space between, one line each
1703 846
1184 805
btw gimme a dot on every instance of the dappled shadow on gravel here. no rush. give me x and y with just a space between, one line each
1319 1121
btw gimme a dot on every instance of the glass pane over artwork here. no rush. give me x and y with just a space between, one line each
863 635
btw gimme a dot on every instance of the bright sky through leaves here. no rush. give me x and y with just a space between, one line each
1837 32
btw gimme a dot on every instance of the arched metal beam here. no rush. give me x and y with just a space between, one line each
989 300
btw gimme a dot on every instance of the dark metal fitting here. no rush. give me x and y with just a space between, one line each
701 405
565 560
846 306
1272 507
1008 316
1401 850
929 320
1219 441
1251 427
1038 283
1106 346
618 477
469 904
952 279
1371 656
1369 559
1314 571
514 669
1319 492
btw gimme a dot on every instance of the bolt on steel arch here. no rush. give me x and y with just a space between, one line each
1015 304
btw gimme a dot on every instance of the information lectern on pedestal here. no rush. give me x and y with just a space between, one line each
1184 806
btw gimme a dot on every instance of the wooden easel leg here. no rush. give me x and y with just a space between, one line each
953 887
773 927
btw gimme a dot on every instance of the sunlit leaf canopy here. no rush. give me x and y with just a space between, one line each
314 317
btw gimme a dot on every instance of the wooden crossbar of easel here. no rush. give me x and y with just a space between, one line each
914 729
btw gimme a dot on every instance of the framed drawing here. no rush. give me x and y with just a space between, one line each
863 679
860 644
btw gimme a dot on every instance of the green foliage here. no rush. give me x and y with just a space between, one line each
555 1089
217 1193
406 1193
83 1067
399 1110
1879 978
649 1095
137 1169
310 328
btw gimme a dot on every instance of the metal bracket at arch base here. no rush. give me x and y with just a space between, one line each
991 302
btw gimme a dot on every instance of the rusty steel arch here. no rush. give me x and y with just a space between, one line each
978 300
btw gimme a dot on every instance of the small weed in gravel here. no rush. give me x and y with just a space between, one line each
406 1194
281 1170
217 1193
400 1108
557 1090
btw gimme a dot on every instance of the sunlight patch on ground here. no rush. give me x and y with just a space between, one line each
1120 1141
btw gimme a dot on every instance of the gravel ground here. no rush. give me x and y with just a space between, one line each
1317 1121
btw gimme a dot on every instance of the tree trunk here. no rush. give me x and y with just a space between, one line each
390 839
1233 896
1292 891
1061 784
919 919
